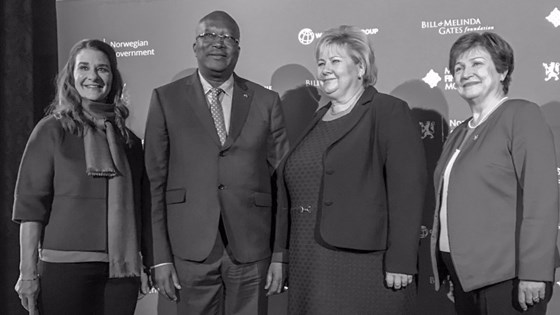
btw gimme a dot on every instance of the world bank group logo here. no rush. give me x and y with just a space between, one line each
554 17
456 26
433 78
306 36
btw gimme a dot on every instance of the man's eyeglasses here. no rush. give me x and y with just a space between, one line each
213 37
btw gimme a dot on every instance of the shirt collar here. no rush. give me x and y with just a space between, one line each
227 86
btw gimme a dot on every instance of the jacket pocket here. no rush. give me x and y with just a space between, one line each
177 195
262 199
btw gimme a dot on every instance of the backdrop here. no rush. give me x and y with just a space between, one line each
153 39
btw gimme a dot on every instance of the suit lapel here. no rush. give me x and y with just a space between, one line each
240 105
316 117
451 144
357 112
195 98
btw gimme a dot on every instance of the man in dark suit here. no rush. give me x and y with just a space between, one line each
212 142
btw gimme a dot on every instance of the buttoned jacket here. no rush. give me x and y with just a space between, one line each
373 183
195 181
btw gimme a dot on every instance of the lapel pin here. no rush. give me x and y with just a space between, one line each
245 95
475 137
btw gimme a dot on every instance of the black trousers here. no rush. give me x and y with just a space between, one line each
496 299
85 289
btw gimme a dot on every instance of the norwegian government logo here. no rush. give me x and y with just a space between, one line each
427 129
456 26
306 36
554 17
551 71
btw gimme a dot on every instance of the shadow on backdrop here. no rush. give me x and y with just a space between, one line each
299 102
183 73
429 109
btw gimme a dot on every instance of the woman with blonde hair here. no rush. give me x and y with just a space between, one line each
354 187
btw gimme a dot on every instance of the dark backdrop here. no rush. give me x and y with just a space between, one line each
28 63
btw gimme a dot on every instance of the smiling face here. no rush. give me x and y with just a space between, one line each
476 77
217 57
92 75
338 73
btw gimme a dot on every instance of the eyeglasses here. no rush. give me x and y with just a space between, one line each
213 37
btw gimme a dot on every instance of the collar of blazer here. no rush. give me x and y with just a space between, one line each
451 143
364 103
240 105
354 116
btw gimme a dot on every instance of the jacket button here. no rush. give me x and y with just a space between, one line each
330 172
328 203
221 187
223 153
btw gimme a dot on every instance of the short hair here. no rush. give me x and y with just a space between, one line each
67 104
500 51
224 16
358 47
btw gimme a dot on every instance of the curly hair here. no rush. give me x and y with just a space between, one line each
67 104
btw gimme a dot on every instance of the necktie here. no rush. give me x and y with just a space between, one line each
218 113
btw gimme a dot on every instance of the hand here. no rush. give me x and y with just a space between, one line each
145 284
397 280
28 291
450 294
166 281
275 278
530 292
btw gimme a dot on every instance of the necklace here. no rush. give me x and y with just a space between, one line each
481 120
350 104
334 113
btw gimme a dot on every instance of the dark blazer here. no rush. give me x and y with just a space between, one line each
194 180
373 186
53 188
502 213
